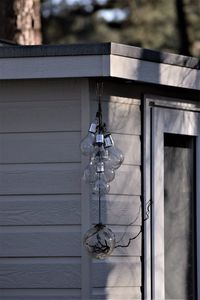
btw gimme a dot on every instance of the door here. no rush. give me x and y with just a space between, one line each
173 172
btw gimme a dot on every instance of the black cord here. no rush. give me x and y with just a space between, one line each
129 241
99 202
148 211
99 112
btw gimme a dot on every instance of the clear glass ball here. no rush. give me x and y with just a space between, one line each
99 241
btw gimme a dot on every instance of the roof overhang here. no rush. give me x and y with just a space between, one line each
99 60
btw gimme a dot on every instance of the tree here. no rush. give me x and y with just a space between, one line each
157 24
20 21
184 44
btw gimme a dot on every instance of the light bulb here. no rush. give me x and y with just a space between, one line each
115 156
109 174
100 153
87 144
90 175
99 241
106 173
101 186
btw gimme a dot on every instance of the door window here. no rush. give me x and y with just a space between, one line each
179 216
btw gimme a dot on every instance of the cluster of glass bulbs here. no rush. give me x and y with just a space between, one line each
104 157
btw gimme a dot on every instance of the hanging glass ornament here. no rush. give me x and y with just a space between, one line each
99 241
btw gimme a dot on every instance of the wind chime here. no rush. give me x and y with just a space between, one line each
104 159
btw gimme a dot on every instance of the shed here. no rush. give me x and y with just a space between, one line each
151 106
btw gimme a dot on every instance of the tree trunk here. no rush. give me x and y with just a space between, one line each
184 44
20 21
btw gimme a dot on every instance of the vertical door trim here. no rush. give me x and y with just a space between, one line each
146 198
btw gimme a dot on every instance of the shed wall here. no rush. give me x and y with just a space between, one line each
45 208
40 190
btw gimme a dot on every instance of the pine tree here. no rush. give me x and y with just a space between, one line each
20 21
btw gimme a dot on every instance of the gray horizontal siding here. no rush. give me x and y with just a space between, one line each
51 241
40 210
127 181
40 294
40 273
116 293
40 116
40 90
40 190
40 147
122 115
40 179
117 272
117 210
122 235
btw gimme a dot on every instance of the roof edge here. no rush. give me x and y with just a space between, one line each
155 56
16 51
55 50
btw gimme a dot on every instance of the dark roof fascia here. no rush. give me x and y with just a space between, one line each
55 50
100 49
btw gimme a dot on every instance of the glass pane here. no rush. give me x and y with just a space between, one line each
179 215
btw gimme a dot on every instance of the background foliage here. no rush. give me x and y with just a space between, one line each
172 25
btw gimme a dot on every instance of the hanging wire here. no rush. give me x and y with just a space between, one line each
100 221
148 210
99 92
147 216
130 224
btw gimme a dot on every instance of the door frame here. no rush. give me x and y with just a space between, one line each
163 115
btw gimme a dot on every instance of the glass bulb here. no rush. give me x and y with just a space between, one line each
101 186
115 157
109 174
90 175
99 241
87 144
114 154
100 153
